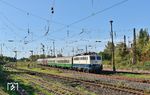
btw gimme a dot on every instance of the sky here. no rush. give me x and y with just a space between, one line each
74 24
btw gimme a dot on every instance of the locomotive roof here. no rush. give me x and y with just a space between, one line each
89 53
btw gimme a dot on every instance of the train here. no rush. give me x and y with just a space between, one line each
83 62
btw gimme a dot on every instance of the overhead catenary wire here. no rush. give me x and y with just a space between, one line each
98 12
92 1
85 18
52 12
31 14
8 20
78 21
91 15
14 26
8 26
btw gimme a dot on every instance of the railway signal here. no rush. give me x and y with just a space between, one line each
52 10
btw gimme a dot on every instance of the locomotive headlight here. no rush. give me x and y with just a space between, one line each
96 62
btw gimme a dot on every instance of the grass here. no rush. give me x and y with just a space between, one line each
141 76
3 82
32 90
42 70
2 92
57 72
83 90
9 75
127 66
24 84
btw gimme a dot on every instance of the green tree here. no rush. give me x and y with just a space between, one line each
122 53
142 42
35 57
107 51
42 56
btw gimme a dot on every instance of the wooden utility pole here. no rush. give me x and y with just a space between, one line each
31 55
125 43
54 48
15 55
73 51
43 49
86 48
2 49
134 46
113 49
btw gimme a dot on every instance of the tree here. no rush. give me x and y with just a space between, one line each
5 59
146 53
42 56
143 38
35 57
142 41
24 59
107 51
122 53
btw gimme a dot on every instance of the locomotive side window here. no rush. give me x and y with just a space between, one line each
98 58
92 57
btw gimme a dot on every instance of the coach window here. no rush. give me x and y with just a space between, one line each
66 61
76 58
85 58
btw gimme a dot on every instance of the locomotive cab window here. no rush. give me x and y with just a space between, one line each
98 58
92 57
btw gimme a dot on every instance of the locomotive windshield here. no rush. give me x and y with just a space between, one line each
92 57
98 58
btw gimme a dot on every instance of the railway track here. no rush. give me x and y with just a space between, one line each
90 83
102 76
21 91
55 89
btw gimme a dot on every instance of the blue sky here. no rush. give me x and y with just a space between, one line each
17 16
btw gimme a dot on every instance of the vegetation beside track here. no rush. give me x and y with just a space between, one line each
37 87
110 84
84 76
35 90
140 76
40 85
35 67
4 79
62 72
